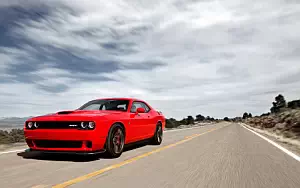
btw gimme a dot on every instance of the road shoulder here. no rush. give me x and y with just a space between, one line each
4 148
289 144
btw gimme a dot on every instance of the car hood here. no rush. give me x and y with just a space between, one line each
74 115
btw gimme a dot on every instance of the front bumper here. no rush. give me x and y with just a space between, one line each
78 141
69 152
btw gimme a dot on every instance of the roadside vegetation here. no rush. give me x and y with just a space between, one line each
283 118
13 136
189 120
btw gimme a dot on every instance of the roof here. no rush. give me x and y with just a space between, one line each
121 98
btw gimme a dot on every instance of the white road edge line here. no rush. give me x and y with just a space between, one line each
275 144
19 150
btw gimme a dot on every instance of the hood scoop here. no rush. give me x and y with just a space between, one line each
65 112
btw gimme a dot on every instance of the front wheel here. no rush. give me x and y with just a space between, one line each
158 136
115 141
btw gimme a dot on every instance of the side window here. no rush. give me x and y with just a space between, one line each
147 109
136 105
122 107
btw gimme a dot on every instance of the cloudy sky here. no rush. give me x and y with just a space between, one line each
185 57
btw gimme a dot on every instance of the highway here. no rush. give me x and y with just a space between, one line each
219 155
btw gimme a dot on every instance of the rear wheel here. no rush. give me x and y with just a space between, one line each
158 136
115 141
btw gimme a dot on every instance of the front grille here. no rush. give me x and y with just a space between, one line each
57 144
58 125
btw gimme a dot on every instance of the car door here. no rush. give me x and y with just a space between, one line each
149 120
138 122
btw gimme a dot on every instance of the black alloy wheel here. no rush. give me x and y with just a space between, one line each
158 136
116 141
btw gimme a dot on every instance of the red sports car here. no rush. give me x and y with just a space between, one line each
101 125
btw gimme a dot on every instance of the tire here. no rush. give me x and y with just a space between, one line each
158 135
115 141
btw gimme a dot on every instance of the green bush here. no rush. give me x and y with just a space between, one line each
279 104
294 104
14 136
190 120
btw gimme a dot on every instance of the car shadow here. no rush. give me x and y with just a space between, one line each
76 158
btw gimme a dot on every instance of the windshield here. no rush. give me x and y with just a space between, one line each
118 105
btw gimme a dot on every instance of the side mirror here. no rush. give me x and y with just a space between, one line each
140 110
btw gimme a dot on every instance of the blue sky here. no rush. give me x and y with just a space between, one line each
217 58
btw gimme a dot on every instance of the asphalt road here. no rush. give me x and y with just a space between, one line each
220 155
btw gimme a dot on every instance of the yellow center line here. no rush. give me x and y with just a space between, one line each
101 171
40 186
191 136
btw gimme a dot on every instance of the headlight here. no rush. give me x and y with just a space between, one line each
35 125
91 125
83 125
87 125
29 125
32 125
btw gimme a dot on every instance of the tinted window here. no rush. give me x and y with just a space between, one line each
147 109
136 105
119 105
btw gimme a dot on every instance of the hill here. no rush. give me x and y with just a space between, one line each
286 123
283 119
8 123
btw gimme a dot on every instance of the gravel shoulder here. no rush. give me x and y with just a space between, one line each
288 143
14 146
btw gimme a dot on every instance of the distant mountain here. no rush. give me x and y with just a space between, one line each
12 122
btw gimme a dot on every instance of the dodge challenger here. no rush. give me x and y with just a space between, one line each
103 125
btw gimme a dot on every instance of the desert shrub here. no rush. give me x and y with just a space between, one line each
15 135
294 104
279 104
190 120
200 117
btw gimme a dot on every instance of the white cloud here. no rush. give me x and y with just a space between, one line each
220 58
